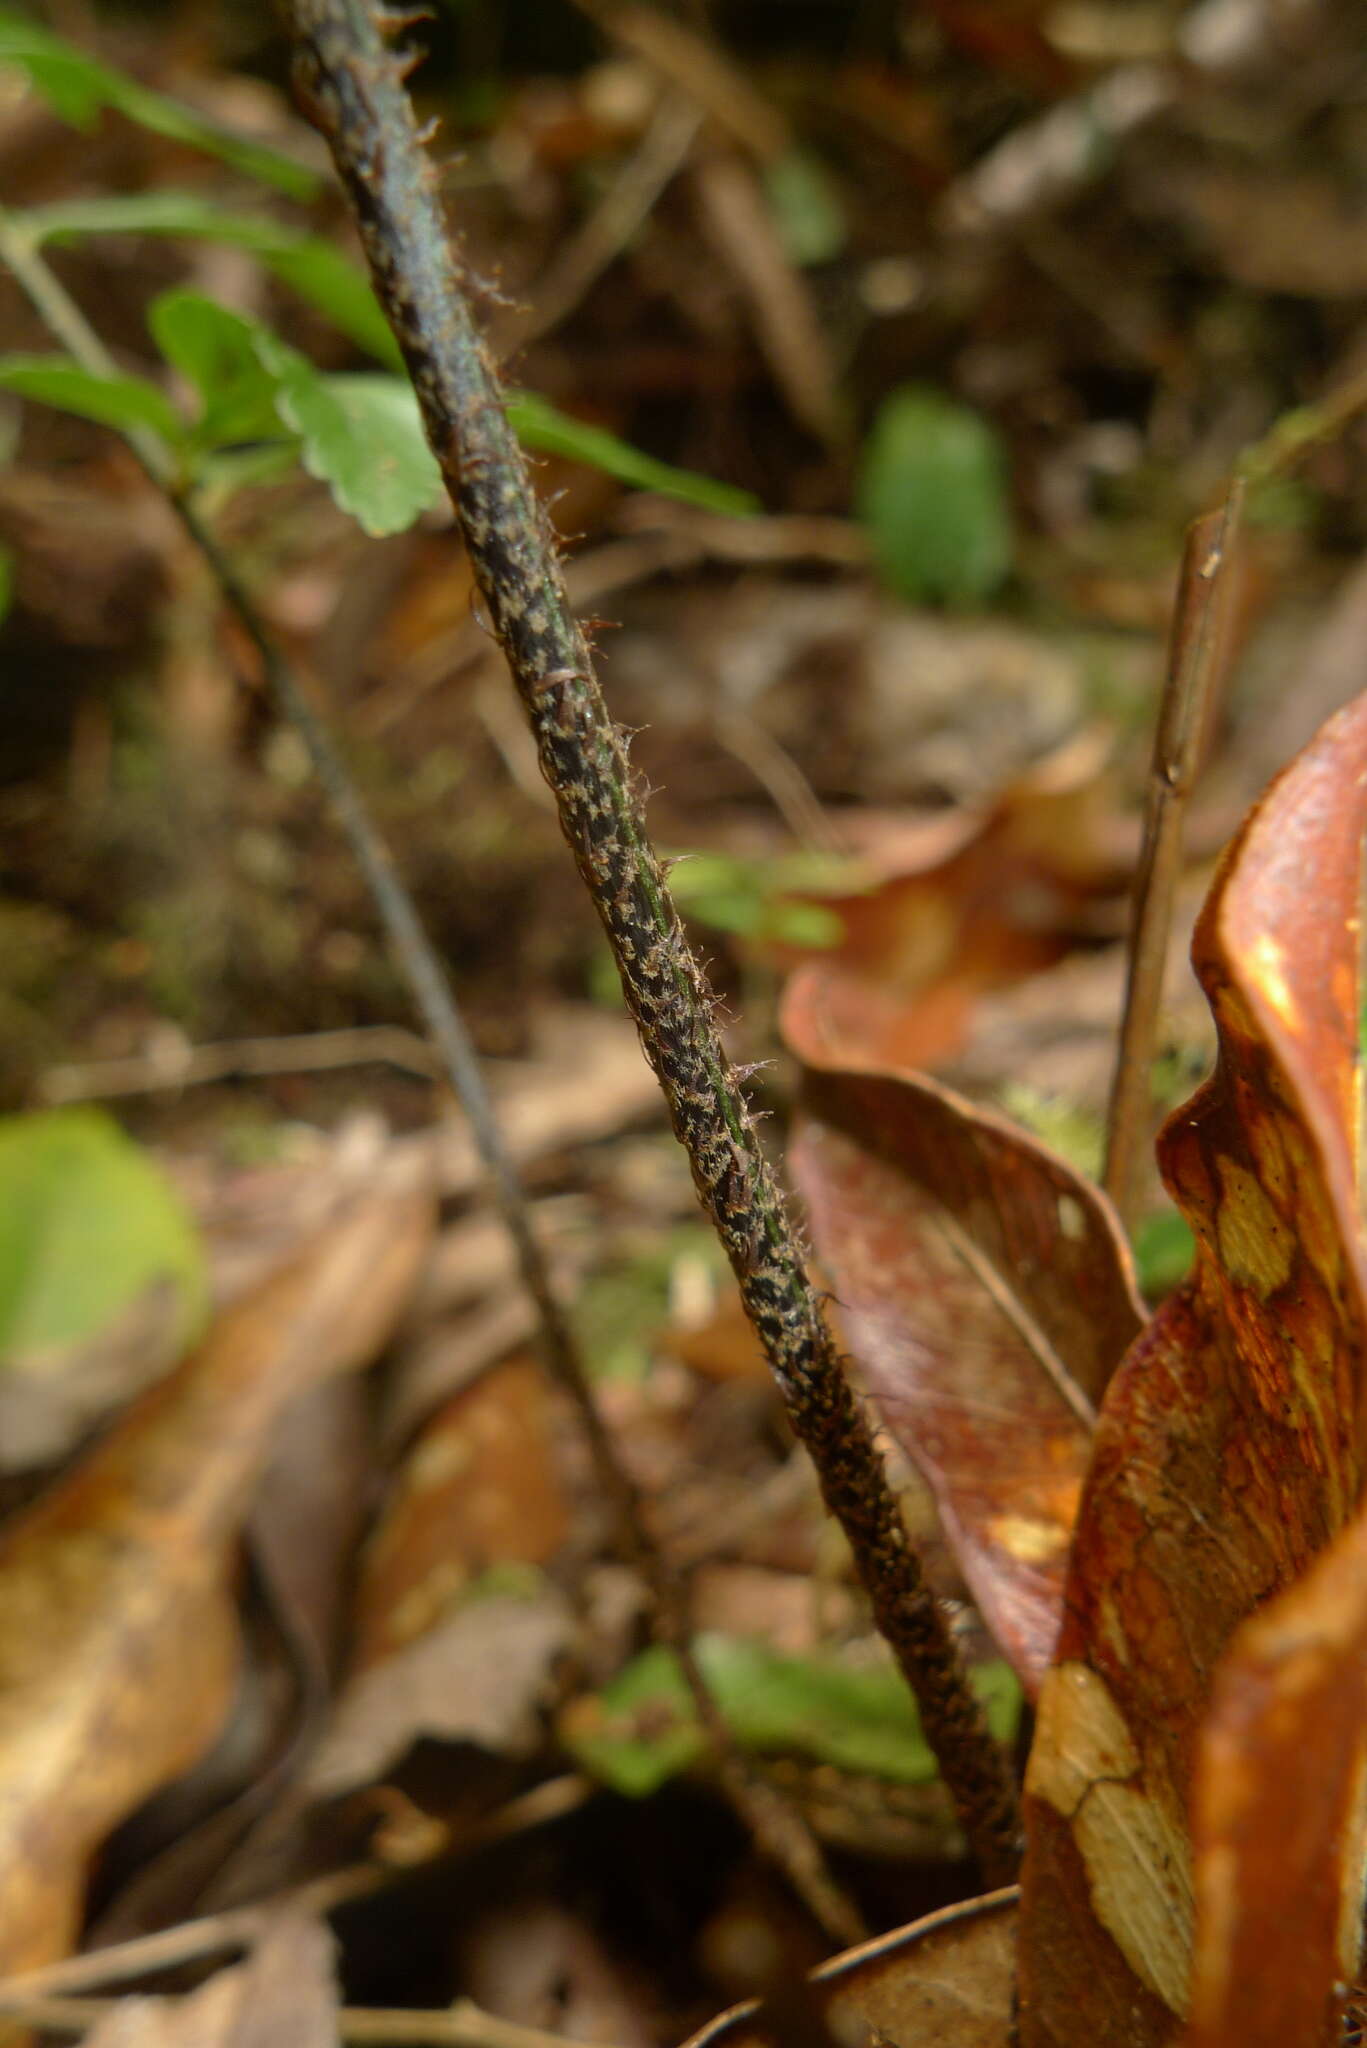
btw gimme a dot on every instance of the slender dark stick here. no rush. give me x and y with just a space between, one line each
776 1824
351 83
1196 654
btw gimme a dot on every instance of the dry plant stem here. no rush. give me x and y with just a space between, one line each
461 2026
191 1066
624 208
234 1930
777 1825
1305 427
352 84
1195 659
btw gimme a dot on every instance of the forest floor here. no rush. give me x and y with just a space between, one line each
899 718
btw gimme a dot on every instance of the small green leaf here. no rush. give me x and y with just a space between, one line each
811 926
323 276
1163 1251
932 494
362 435
77 86
1075 1133
222 472
118 401
541 426
308 265
640 1730
87 1224
621 1308
767 900
216 350
806 208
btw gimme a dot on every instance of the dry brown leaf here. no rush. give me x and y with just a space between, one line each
283 1996
698 65
538 1962
944 1982
1229 1450
987 1296
998 897
118 1632
1270 229
51 1403
587 1080
479 1676
479 1487
1279 1816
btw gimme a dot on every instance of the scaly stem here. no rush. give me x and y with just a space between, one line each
352 86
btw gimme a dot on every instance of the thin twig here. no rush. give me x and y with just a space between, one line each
191 1941
178 1064
1196 654
460 2026
774 768
741 226
352 85
694 64
623 209
1303 428
777 1825
236 1928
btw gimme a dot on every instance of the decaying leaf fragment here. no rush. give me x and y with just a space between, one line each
457 1630
945 1980
283 1996
118 1633
1229 1452
974 902
987 1296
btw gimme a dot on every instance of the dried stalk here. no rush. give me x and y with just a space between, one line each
459 2026
352 85
1196 656
776 1823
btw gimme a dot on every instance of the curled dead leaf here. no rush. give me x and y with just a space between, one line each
978 903
1229 1451
987 1295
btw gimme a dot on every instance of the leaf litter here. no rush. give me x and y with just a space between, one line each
466 1606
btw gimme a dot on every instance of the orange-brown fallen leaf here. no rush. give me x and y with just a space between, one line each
118 1632
990 900
1229 1451
1279 1816
478 1487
